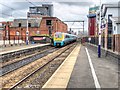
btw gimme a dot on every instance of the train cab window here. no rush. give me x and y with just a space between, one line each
67 36
58 35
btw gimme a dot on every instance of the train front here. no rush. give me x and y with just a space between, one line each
58 39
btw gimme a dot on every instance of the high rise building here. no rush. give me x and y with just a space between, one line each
41 11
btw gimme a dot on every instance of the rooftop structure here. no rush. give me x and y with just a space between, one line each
40 11
32 22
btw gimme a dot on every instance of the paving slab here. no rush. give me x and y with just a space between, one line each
62 75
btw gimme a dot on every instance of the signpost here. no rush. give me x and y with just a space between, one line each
99 43
27 32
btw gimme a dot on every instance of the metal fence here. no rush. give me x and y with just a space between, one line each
13 40
113 42
94 40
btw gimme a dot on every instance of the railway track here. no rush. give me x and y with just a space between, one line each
47 60
24 61
21 53
43 70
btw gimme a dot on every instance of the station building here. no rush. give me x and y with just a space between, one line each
110 12
110 27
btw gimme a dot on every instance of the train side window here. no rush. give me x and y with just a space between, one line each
67 36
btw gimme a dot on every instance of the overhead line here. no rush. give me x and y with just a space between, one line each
74 21
5 14
10 8
76 28
72 24
7 6
30 2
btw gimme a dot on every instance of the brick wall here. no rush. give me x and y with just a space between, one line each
92 26
57 26
117 43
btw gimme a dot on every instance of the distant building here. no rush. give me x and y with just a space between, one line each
5 29
1 31
41 11
92 20
109 26
44 26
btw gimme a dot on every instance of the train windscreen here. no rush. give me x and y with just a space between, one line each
58 35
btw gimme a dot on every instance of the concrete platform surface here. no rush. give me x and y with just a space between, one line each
103 74
17 48
84 70
62 75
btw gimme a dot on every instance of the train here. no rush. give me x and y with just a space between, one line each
61 39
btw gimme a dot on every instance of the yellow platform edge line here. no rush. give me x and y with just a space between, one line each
76 48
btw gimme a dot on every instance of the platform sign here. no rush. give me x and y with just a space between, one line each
92 10
89 38
27 33
103 26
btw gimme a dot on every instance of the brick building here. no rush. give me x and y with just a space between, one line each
92 21
5 29
36 27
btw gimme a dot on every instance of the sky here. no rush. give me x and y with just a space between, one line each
63 9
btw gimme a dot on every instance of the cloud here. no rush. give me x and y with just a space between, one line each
63 9
67 12
81 4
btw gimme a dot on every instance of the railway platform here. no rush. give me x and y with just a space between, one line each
84 70
6 50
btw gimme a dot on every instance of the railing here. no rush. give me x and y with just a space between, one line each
112 42
12 40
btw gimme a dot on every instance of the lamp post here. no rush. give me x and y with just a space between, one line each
99 43
83 27
27 32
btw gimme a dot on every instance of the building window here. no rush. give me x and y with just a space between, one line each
19 24
36 24
29 24
17 33
109 20
48 22
114 28
37 32
110 27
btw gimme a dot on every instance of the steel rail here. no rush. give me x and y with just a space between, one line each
22 80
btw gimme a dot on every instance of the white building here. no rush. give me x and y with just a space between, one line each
110 12
116 24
